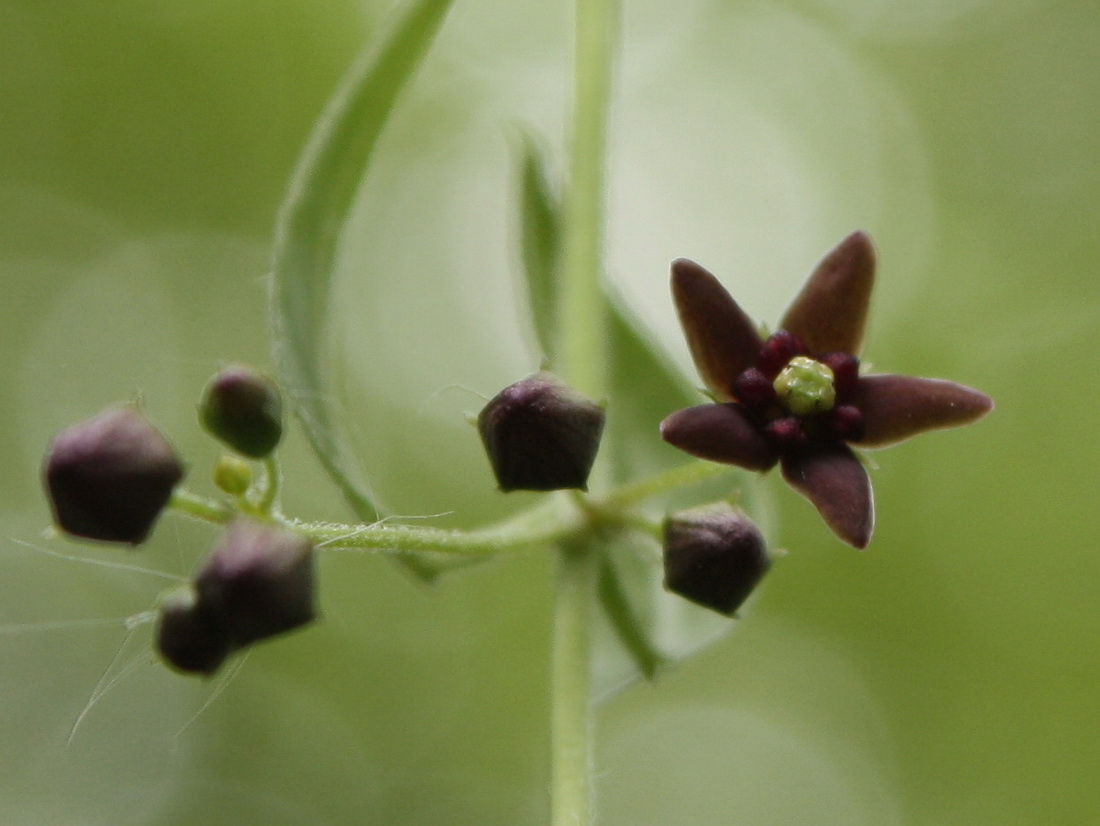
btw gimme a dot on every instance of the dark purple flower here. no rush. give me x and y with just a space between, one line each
109 478
798 398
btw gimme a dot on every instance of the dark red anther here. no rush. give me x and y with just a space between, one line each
845 369
754 390
845 422
777 352
787 433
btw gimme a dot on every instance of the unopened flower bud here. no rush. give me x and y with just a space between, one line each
258 581
541 434
108 478
232 474
714 556
243 408
190 636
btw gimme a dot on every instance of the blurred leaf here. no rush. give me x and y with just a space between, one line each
539 238
645 388
312 221
644 627
618 610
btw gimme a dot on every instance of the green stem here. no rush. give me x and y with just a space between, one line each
582 317
200 507
631 494
582 333
549 524
544 526
570 716
269 489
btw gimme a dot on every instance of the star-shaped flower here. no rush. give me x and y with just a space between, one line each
798 398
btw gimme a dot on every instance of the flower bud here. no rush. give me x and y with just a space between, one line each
190 637
108 478
258 581
714 556
243 408
232 474
541 434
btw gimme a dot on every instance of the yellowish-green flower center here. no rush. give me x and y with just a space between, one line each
805 387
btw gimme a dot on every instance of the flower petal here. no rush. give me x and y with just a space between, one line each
719 433
723 340
830 312
897 407
834 480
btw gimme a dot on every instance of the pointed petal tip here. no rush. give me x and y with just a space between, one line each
722 339
861 540
896 408
829 314
684 265
685 271
859 238
856 249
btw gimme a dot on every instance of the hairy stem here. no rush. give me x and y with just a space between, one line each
583 336
269 490
550 524
200 507
570 717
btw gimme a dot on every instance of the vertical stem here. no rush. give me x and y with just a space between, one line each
582 333
582 322
570 723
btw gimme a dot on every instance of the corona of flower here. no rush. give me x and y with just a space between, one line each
798 398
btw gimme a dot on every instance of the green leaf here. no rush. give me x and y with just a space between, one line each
540 242
626 624
645 388
312 221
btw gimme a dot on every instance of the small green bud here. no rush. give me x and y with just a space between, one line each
109 478
805 387
189 636
232 474
258 581
541 434
243 408
714 556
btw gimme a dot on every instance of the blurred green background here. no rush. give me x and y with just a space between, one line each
947 675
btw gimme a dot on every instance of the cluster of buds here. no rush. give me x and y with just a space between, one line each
110 477
257 582
796 398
